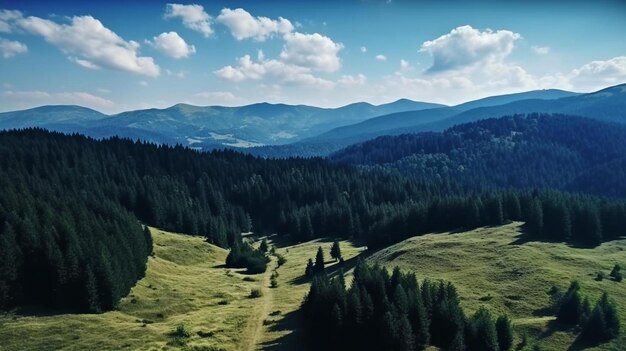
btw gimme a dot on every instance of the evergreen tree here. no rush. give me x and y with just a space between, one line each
319 261
505 333
571 308
335 251
263 246
309 268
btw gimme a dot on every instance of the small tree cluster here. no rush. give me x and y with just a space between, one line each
598 325
382 311
244 256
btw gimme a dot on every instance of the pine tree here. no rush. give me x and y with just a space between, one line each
319 261
570 310
263 246
616 273
309 268
335 251
505 333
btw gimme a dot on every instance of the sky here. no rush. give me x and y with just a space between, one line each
117 56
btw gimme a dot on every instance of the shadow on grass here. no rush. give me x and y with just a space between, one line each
42 311
293 341
581 344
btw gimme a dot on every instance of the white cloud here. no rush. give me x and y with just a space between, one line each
171 44
363 49
92 44
7 17
10 48
350 81
215 98
286 73
243 25
193 16
38 98
313 51
541 50
381 57
598 74
143 83
465 46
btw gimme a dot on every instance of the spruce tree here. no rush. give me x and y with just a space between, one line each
319 261
505 333
309 268
335 251
263 246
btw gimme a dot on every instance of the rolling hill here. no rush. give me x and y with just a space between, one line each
607 104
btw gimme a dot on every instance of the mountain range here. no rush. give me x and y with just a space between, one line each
280 130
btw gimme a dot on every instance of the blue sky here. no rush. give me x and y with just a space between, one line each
121 56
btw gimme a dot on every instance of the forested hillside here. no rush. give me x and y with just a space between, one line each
537 150
69 234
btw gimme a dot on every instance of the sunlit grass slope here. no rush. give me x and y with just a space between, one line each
495 268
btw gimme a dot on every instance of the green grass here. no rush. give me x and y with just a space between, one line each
186 285
491 268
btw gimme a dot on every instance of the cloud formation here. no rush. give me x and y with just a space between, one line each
36 98
313 51
243 25
193 16
465 46
541 50
381 57
600 73
10 48
171 44
89 43
6 18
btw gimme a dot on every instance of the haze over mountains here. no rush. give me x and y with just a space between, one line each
299 130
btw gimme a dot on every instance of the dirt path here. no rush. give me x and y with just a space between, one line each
262 305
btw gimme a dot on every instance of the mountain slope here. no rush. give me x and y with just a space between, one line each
607 104
535 151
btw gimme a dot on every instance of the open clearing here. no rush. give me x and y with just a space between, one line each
186 283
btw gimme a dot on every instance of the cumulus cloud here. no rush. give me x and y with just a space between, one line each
37 98
541 50
381 57
7 17
247 69
10 48
465 46
243 25
599 74
314 51
90 44
363 49
171 44
193 16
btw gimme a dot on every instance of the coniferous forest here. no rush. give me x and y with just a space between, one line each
72 206
504 152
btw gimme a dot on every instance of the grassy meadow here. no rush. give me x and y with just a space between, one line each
186 284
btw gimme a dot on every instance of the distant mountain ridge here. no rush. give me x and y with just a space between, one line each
206 127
